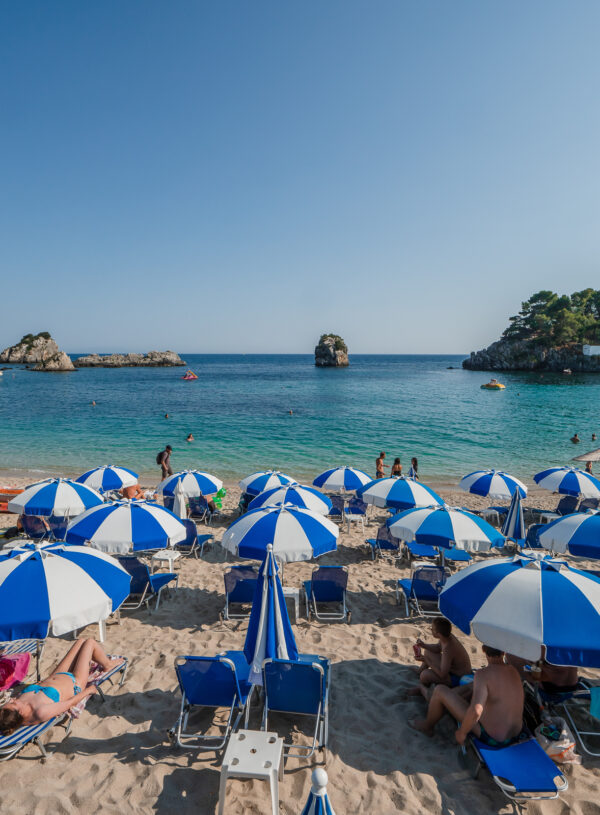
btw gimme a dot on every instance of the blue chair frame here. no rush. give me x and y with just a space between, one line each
144 586
383 542
422 590
240 585
328 584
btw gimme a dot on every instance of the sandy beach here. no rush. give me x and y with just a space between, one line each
117 758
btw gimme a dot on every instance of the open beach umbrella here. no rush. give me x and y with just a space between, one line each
514 525
55 496
296 534
446 527
256 483
108 477
127 526
342 479
270 634
318 800
526 606
295 494
578 534
493 484
54 588
591 455
399 493
194 483
568 481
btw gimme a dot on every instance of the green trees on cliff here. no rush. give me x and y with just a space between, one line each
553 319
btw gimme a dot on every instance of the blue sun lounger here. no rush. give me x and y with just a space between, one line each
211 682
299 687
383 542
455 555
144 586
522 771
418 551
327 585
421 592
193 543
240 586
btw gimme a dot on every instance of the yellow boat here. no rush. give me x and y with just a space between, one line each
493 386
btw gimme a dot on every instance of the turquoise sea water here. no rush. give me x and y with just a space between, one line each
238 411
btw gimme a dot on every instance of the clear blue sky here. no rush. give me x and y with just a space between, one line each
242 176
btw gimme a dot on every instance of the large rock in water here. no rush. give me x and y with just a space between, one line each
524 355
57 362
331 352
153 359
32 348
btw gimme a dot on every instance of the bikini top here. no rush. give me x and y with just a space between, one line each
51 693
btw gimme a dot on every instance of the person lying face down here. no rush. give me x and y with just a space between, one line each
132 493
64 688
552 678
444 662
495 712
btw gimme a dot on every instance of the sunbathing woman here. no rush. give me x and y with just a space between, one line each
66 686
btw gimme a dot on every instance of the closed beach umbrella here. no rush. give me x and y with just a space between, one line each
295 533
568 481
108 477
342 479
54 588
127 526
493 484
578 534
259 482
529 608
318 800
193 482
399 493
179 502
447 527
514 525
270 634
295 494
55 496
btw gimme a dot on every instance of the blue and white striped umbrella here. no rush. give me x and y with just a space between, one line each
492 484
318 800
296 534
514 525
341 479
399 493
447 527
297 495
568 481
193 482
108 477
55 496
126 526
270 634
54 588
259 482
523 605
578 534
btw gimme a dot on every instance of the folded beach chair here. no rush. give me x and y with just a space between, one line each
421 592
211 682
193 543
522 770
419 551
338 505
144 586
356 510
384 542
575 705
299 687
35 527
33 647
327 586
240 585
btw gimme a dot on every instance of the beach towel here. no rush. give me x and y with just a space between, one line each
13 669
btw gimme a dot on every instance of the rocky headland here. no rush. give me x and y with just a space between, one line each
39 350
153 359
523 355
331 352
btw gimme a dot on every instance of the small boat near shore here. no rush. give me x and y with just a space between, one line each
189 375
493 385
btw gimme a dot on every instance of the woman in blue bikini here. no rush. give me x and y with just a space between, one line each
66 686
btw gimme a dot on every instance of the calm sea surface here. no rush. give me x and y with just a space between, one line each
238 411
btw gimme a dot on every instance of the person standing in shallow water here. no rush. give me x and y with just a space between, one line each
414 469
379 466
164 459
396 467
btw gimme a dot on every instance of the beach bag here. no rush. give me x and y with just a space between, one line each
13 669
159 457
555 738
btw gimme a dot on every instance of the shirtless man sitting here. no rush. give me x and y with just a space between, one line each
554 679
495 714
133 493
444 662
